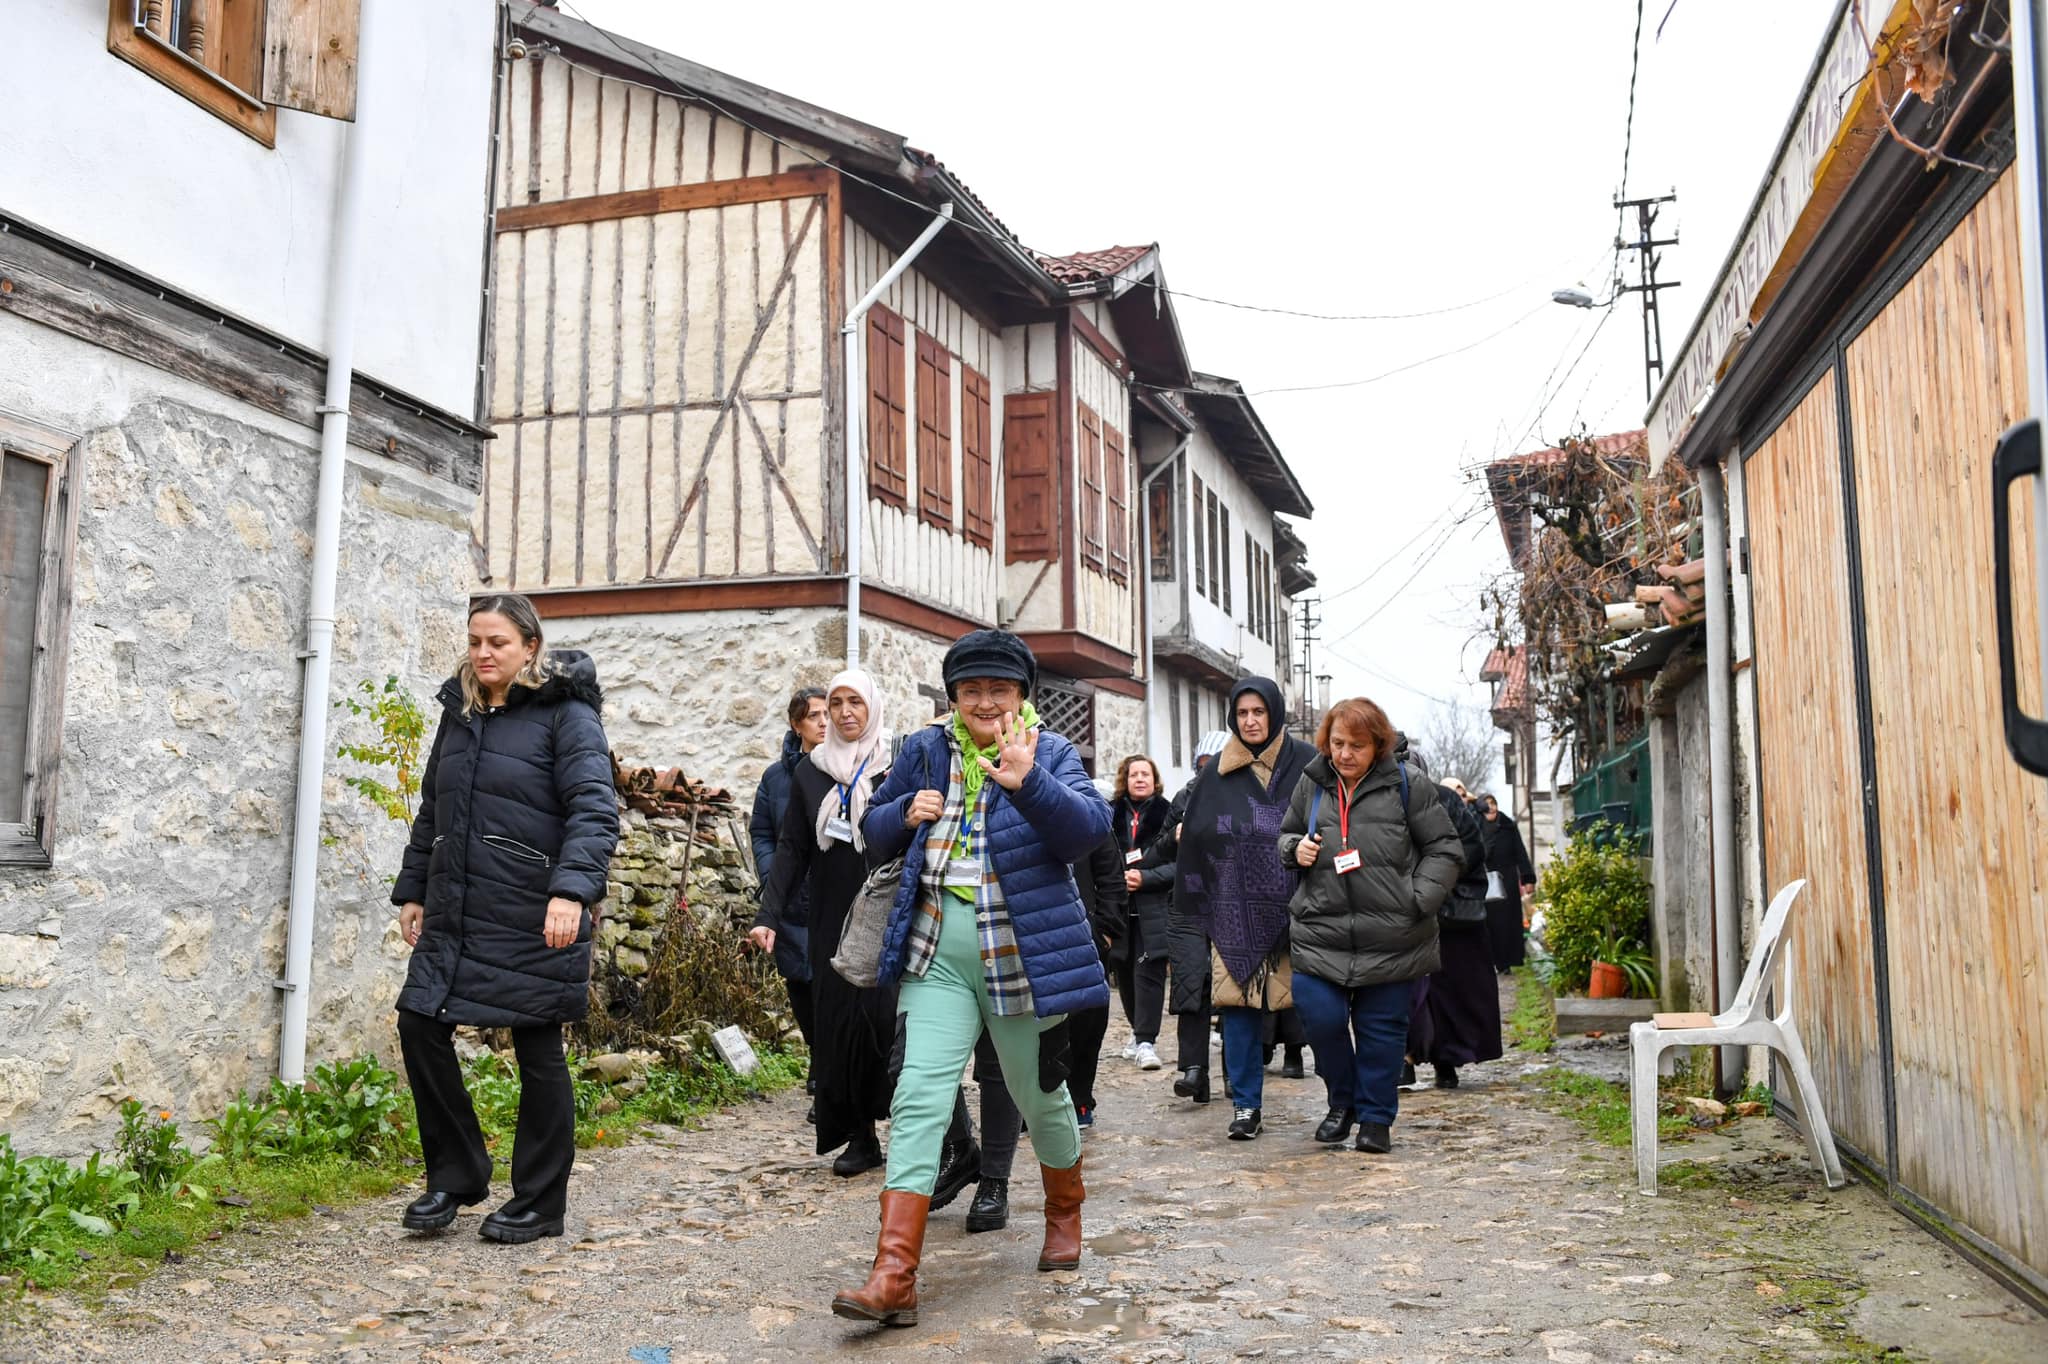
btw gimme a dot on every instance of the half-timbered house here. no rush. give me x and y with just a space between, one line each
676 253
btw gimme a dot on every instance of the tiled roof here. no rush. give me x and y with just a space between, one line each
1509 670
1084 267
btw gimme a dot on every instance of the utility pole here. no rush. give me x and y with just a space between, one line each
1646 246
1311 621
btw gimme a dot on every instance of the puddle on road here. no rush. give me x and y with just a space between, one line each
1123 1318
1120 1243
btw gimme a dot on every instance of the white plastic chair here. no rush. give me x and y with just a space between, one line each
1744 1024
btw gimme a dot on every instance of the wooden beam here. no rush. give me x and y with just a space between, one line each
640 203
1080 655
752 594
1099 343
1063 461
66 288
913 614
1124 686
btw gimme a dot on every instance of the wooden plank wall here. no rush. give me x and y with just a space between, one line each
901 550
1812 766
1107 610
1932 382
657 380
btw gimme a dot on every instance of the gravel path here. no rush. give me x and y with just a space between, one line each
1495 1231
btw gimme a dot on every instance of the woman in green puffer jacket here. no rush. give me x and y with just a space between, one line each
1377 856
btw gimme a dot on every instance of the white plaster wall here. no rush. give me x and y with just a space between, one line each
1207 620
103 153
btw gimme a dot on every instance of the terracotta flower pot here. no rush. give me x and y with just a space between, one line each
1608 982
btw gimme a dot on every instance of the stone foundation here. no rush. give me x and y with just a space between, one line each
142 962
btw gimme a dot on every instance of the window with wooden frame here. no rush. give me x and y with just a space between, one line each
888 429
934 433
38 539
1224 544
1251 586
1160 527
243 60
1196 541
1090 439
977 461
1173 713
1115 474
1215 552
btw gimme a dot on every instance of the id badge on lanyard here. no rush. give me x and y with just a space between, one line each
839 827
1348 858
963 873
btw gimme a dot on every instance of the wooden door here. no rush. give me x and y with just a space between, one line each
1932 381
1808 736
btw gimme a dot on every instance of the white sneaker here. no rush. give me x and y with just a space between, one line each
1146 1057
1130 1051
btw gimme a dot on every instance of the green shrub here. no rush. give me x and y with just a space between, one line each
1594 890
152 1148
242 1132
350 1109
42 1198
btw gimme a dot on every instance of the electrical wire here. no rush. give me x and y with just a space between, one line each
1403 369
674 90
1635 62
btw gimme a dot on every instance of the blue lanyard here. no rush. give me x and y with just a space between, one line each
846 788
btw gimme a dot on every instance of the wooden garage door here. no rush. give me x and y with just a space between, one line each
1932 381
1812 763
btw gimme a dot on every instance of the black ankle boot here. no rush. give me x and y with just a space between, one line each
861 1155
1290 1066
1446 1077
959 1166
1375 1137
1336 1126
990 1210
1192 1083
432 1211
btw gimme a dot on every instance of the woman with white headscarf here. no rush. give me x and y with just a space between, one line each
855 1028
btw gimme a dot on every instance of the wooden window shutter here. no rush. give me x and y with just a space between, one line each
934 432
309 56
888 432
977 465
1115 471
1030 504
1215 567
1224 549
1091 487
1196 541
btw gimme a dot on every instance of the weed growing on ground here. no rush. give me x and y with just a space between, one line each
1602 1106
1533 1025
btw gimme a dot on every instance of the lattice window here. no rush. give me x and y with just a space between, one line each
1068 711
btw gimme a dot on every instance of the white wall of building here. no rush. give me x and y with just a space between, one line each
100 152
1228 631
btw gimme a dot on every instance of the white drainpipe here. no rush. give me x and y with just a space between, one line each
1144 558
343 274
857 426
1721 757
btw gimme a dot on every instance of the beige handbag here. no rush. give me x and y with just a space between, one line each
1271 987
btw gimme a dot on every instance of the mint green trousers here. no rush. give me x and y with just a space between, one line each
943 1013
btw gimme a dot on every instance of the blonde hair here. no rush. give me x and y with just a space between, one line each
519 610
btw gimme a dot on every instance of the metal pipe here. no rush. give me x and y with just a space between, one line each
1721 757
1152 745
344 268
2029 24
857 427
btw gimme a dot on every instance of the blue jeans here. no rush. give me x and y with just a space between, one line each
1244 1055
1360 1036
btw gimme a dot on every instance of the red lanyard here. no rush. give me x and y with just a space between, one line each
1344 812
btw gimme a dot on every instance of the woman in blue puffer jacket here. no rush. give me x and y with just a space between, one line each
988 812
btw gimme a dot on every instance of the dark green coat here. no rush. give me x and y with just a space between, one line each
1377 924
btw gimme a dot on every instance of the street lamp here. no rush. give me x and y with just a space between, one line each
1574 297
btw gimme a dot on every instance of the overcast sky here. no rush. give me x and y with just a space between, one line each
1356 158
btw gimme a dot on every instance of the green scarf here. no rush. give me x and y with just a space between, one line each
970 770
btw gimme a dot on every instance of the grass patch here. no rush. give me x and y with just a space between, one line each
1601 1106
1533 1025
268 1181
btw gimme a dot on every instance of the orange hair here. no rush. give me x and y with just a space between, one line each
1361 719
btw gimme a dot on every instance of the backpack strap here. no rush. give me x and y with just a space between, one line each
1315 805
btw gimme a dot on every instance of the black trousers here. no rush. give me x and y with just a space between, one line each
544 1146
1087 1028
1142 987
802 1008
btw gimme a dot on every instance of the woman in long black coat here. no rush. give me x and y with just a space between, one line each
518 818
792 950
1137 817
1508 858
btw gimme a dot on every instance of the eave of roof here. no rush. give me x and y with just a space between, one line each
1228 413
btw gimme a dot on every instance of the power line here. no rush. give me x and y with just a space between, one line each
1413 364
1428 557
677 91
1628 135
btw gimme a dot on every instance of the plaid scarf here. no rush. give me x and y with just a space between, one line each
961 831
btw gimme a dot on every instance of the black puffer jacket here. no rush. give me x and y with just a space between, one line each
771 802
1377 924
517 807
1152 903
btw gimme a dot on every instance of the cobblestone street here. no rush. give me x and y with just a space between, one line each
1497 1230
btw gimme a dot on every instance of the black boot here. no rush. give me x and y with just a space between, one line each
1290 1066
432 1211
959 1166
1446 1077
517 1228
1375 1137
1336 1126
861 1155
1193 1083
990 1210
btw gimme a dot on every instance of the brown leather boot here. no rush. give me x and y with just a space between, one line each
1063 1198
890 1294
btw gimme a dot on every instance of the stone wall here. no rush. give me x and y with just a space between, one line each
1119 730
1682 877
143 961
